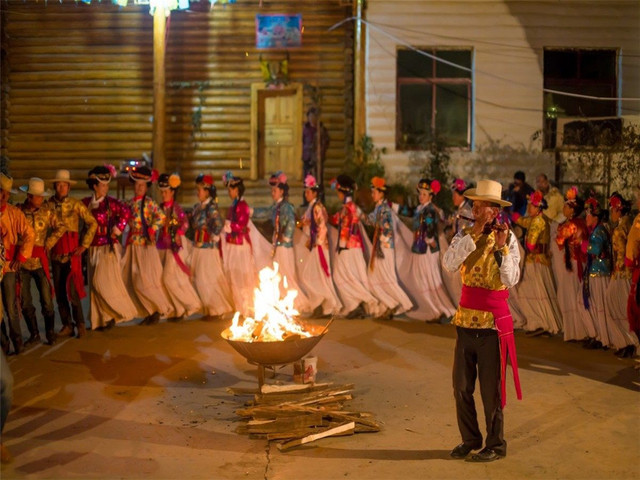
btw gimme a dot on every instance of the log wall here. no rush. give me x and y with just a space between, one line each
77 83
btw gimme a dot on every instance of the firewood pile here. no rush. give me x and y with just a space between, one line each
294 415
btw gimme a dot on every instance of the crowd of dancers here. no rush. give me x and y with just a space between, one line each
580 262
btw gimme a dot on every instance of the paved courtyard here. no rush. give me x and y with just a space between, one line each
151 402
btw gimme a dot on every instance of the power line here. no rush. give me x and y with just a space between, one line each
477 71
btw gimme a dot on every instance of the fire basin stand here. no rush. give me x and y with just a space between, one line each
273 354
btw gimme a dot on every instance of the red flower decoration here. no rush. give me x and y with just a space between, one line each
154 175
614 202
458 184
378 182
536 198
572 193
435 187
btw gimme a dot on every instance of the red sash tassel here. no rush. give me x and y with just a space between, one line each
495 301
323 261
181 264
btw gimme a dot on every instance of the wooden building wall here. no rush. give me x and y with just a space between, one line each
507 38
77 83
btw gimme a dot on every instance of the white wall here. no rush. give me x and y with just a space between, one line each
508 38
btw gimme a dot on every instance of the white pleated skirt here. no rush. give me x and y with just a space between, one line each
616 305
211 282
427 289
109 299
286 261
320 289
142 274
242 276
383 279
597 309
537 299
184 299
577 322
352 283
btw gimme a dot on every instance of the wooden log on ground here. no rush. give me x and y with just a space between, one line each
347 428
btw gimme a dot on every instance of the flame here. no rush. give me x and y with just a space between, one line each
274 315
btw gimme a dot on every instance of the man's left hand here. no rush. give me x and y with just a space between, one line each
502 230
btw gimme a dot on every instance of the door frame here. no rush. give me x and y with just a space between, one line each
259 91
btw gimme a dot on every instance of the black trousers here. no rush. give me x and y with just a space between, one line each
46 301
11 307
477 355
61 272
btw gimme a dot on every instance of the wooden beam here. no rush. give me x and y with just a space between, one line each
159 118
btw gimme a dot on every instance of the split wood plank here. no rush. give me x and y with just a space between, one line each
342 429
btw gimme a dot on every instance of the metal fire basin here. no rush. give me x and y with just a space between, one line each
269 354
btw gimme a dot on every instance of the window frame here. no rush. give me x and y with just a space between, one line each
434 82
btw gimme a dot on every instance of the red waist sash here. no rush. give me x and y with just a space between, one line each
495 301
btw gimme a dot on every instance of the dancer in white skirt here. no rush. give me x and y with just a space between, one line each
110 302
622 338
176 275
570 236
206 257
238 257
597 273
142 268
424 283
283 219
316 270
350 268
537 297
462 218
383 277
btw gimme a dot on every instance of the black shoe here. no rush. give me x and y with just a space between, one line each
591 344
33 339
535 333
461 451
153 318
486 455
110 324
52 338
628 352
357 312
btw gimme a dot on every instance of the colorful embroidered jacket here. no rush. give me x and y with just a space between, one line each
382 220
69 211
347 222
147 218
619 245
425 229
109 212
476 257
13 228
283 219
315 224
175 224
238 216
537 238
572 237
47 233
599 252
207 224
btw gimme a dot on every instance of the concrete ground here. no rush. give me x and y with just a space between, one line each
151 402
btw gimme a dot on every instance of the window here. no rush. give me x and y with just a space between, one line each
590 72
433 98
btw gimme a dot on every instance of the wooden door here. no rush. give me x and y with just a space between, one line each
278 132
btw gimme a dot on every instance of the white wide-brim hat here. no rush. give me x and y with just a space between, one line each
489 191
63 176
6 183
35 187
